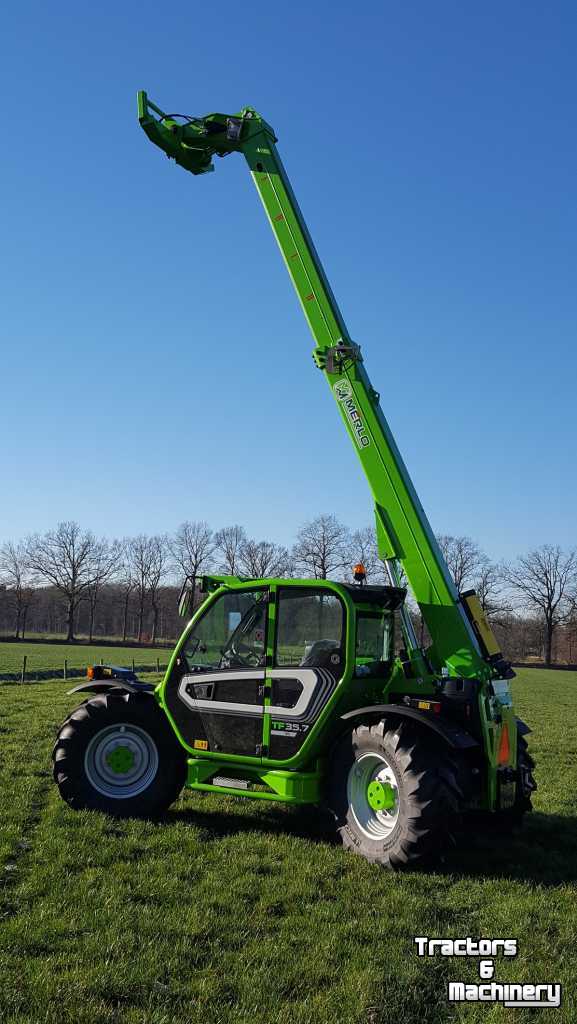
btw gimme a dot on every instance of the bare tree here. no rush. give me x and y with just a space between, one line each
570 631
15 574
263 558
489 588
127 582
159 568
68 558
545 582
464 558
192 549
322 547
140 559
148 565
228 543
107 560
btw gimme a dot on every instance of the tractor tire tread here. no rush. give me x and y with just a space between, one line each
431 794
84 723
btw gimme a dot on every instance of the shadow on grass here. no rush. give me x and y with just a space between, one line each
542 852
306 822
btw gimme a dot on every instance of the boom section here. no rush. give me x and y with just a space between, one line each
404 534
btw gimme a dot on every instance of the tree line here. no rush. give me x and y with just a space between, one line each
69 581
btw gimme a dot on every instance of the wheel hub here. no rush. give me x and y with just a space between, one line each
380 795
121 761
373 795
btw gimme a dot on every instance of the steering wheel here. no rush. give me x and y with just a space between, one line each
244 655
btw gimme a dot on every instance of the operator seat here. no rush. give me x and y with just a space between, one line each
321 654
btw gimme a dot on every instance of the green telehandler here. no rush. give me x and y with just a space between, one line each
291 689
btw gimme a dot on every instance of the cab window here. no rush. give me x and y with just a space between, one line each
374 640
309 629
231 634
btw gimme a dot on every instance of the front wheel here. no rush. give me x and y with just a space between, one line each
117 753
394 794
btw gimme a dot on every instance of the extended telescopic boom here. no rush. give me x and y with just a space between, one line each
462 640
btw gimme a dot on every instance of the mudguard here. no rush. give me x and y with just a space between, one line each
455 737
102 686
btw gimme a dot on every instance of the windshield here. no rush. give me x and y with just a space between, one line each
231 633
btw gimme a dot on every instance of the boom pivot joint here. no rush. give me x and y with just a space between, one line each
333 358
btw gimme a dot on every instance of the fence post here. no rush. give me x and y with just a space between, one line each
65 669
133 664
102 661
157 664
23 675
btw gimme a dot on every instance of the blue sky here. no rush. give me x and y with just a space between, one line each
155 362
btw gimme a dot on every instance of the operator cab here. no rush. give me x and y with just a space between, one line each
261 659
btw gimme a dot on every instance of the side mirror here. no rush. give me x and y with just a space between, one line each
185 600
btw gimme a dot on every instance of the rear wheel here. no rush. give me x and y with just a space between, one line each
117 753
526 784
394 794
511 819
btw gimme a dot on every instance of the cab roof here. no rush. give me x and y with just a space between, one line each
381 595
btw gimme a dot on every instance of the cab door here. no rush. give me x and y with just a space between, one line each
216 693
306 665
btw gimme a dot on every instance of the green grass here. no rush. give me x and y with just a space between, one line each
229 912
42 657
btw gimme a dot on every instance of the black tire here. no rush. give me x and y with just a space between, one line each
427 802
526 781
512 819
117 753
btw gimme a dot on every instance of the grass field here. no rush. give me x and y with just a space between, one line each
229 912
41 657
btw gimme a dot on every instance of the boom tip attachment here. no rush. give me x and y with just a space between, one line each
193 141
